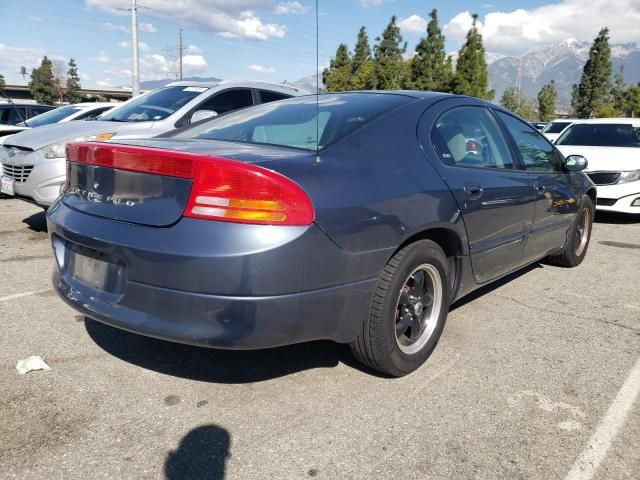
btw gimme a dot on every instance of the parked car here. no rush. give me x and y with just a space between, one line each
612 146
69 113
11 114
554 128
34 160
247 232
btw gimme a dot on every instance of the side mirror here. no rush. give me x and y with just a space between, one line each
202 115
575 163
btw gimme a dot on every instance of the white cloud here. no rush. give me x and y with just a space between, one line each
194 64
84 76
523 30
141 45
12 58
231 19
291 8
193 50
102 57
147 27
373 3
413 24
111 27
105 83
261 68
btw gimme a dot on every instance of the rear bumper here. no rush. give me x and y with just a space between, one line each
219 284
226 321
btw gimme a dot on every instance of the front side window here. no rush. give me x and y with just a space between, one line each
228 101
15 115
538 155
155 105
470 137
601 135
93 114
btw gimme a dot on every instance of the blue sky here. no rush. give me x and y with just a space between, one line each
274 39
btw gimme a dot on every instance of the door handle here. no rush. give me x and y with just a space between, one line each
473 190
539 186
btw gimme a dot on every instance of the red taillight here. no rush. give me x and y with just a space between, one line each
222 189
238 192
137 159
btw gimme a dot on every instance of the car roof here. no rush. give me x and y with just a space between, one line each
14 104
238 83
633 121
92 104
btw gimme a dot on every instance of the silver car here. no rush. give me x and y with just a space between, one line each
33 161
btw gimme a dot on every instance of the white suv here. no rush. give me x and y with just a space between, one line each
33 161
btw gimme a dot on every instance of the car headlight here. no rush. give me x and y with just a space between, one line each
58 150
630 176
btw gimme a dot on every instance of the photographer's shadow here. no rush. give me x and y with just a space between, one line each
201 454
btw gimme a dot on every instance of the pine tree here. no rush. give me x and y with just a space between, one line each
362 66
632 101
593 92
42 83
73 83
514 101
618 92
471 76
390 67
547 98
2 84
430 68
338 76
362 52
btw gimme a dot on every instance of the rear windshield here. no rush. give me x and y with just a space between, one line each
601 135
52 116
555 127
155 105
297 122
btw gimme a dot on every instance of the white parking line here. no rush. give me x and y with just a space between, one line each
587 463
24 294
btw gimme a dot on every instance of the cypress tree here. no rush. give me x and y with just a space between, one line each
430 68
618 92
363 68
73 83
547 98
2 84
42 83
632 101
514 101
592 93
471 77
390 67
338 76
362 52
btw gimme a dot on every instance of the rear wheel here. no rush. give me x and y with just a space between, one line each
408 312
579 236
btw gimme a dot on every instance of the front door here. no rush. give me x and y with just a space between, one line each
494 197
556 190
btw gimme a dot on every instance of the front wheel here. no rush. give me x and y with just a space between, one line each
579 236
408 311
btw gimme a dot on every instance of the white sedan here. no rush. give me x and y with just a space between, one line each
69 113
612 149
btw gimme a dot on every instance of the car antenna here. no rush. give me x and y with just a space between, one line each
317 87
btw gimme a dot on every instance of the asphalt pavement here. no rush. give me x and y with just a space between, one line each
535 377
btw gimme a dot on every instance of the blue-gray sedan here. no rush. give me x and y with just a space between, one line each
358 218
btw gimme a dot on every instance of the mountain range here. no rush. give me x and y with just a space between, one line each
562 63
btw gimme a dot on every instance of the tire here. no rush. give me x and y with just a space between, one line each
579 237
412 292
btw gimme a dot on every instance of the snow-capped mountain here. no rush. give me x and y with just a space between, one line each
562 63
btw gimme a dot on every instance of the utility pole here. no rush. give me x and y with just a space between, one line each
181 48
135 87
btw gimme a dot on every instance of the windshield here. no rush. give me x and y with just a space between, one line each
155 105
601 135
52 116
555 127
297 122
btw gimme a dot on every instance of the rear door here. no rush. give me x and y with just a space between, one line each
478 165
556 191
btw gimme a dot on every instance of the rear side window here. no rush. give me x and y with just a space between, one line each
52 116
14 115
228 101
298 121
601 135
555 127
266 96
470 137
538 155
93 114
